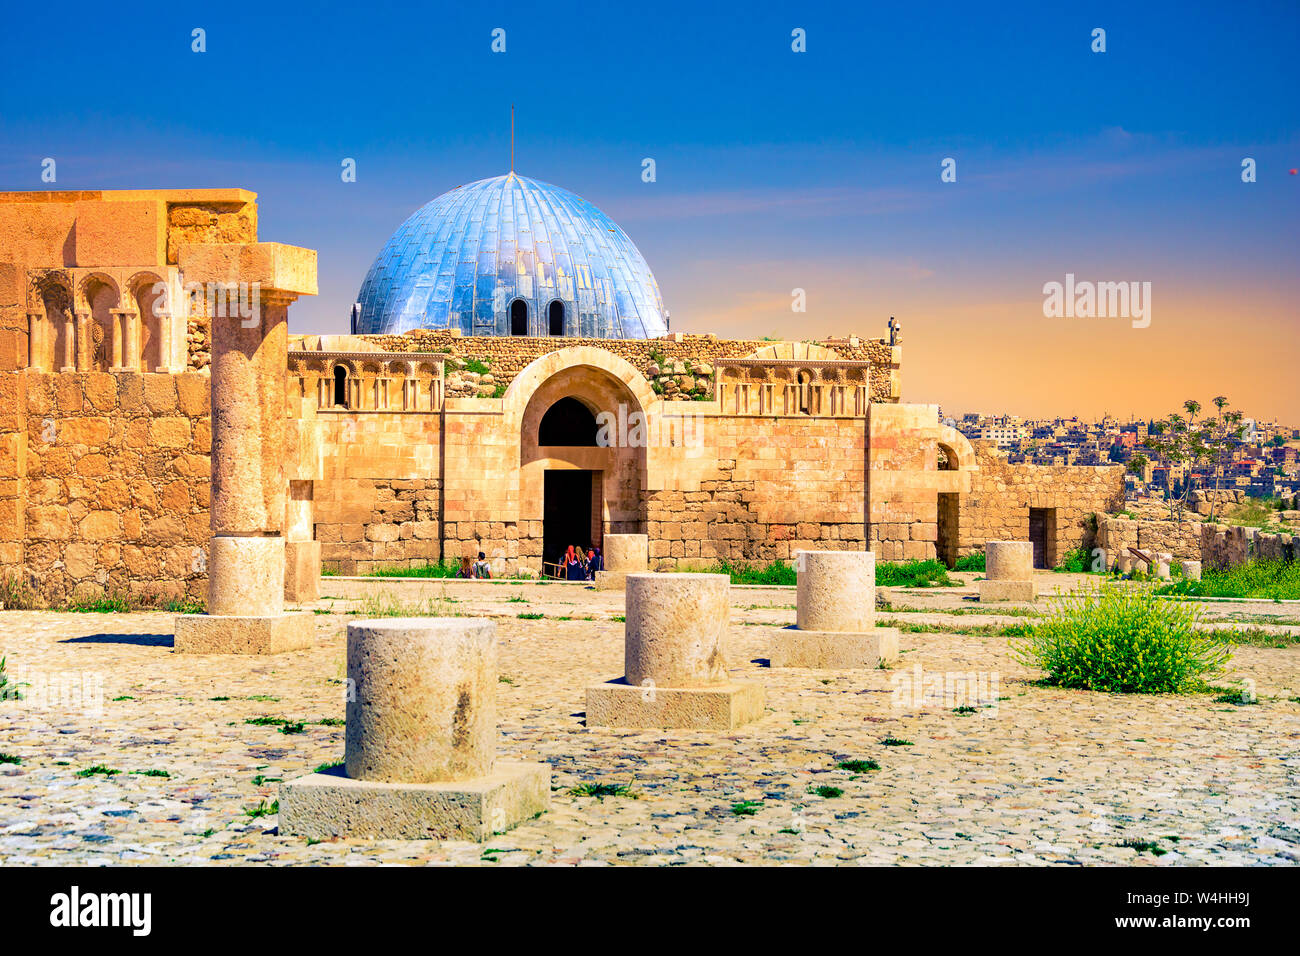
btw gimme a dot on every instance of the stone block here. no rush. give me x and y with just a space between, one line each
302 571
322 806
1007 591
711 707
834 650
610 580
836 590
229 634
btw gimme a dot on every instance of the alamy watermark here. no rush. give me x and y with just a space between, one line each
1098 300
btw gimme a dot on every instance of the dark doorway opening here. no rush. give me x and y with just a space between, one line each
568 422
340 387
566 513
1038 528
555 317
947 541
519 317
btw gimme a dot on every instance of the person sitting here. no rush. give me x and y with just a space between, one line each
465 570
482 569
596 562
572 566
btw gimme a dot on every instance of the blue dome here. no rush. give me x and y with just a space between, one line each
511 255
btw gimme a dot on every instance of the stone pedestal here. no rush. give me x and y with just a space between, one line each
301 571
835 613
1192 570
623 554
419 759
1008 572
675 671
245 610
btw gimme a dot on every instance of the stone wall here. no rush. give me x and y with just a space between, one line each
1001 496
1226 546
1182 539
105 483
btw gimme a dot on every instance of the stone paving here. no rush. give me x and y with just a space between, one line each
1044 776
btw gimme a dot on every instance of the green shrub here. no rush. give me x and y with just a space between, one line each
433 569
8 690
912 574
970 562
1122 639
1266 580
477 366
1076 561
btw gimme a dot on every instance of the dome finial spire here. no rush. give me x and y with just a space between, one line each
512 137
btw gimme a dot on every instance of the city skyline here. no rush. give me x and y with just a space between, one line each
775 170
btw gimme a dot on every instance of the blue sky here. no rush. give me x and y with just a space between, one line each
775 170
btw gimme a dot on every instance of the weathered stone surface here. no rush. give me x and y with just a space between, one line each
836 590
329 805
301 571
1009 560
424 706
246 575
233 634
834 650
721 706
674 629
1007 591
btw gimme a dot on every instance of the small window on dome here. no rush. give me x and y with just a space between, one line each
519 317
555 317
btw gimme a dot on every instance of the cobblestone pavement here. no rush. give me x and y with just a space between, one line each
1043 776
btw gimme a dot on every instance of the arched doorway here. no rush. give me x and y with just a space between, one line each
579 477
519 317
555 317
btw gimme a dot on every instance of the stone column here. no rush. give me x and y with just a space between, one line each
675 667
246 558
119 350
1192 570
69 343
301 550
85 342
132 359
835 614
35 339
420 752
166 361
1008 572
622 554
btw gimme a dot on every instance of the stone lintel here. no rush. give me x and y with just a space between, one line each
228 634
274 266
322 806
834 650
711 707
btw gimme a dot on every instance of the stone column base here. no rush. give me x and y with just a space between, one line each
715 707
321 806
610 580
834 650
227 634
301 571
1007 591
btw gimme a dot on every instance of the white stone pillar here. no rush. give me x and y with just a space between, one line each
1008 571
35 339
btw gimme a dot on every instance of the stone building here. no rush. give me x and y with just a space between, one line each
412 441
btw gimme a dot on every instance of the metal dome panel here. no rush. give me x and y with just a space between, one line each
465 260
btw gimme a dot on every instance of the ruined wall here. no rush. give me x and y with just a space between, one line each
1182 539
106 483
1226 546
1001 494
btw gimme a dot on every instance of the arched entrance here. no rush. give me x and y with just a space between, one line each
581 475
519 317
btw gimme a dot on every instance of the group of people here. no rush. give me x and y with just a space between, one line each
580 564
477 569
